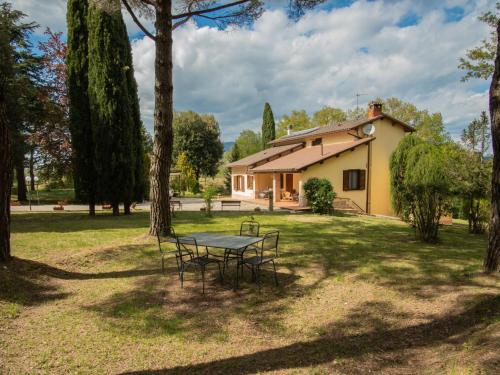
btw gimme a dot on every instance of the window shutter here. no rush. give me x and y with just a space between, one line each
362 179
346 180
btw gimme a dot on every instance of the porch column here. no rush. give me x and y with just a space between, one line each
302 197
276 187
254 185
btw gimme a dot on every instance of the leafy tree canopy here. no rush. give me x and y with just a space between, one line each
429 126
247 143
478 62
198 136
328 115
298 120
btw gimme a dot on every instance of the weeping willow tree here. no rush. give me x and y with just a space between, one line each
420 185
400 197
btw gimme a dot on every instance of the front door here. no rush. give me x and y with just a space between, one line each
289 182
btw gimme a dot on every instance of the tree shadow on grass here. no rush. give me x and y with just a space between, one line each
385 253
21 282
368 251
158 306
77 221
375 350
31 268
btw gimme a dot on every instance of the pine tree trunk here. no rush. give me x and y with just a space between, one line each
116 208
5 180
21 180
163 135
126 208
492 260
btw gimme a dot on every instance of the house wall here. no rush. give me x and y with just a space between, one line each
329 139
333 168
387 139
247 193
263 181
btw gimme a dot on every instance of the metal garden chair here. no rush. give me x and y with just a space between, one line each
249 229
189 256
165 236
267 253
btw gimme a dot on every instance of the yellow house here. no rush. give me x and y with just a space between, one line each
352 155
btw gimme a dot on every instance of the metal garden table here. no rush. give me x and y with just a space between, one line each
230 244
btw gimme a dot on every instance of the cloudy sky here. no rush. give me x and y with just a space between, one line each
407 49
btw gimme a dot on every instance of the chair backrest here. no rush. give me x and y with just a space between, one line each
249 229
165 234
187 246
270 243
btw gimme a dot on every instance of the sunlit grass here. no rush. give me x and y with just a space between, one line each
86 295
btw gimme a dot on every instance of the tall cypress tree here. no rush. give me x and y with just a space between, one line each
79 107
110 107
137 131
268 126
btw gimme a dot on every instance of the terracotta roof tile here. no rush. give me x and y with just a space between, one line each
305 157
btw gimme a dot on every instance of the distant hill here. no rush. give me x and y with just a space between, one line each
227 145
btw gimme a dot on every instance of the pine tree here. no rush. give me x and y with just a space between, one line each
79 107
110 107
268 126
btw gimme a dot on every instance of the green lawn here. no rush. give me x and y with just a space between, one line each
49 196
356 295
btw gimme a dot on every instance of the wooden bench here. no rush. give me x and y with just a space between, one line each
175 203
230 203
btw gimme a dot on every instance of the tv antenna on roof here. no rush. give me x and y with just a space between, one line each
357 100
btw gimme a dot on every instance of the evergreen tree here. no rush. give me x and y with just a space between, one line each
15 65
138 132
268 126
79 107
110 106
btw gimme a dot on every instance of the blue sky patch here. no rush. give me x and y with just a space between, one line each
336 4
454 14
409 19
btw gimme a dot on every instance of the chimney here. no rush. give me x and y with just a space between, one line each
374 109
289 130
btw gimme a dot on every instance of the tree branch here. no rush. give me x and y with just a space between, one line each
137 22
208 10
180 23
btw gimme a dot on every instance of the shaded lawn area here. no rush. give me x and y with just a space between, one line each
356 294
49 196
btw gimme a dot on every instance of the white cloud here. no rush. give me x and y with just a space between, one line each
325 58
319 61
52 13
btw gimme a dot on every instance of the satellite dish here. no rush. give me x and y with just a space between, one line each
368 129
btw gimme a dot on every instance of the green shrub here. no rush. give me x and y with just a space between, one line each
208 195
320 195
